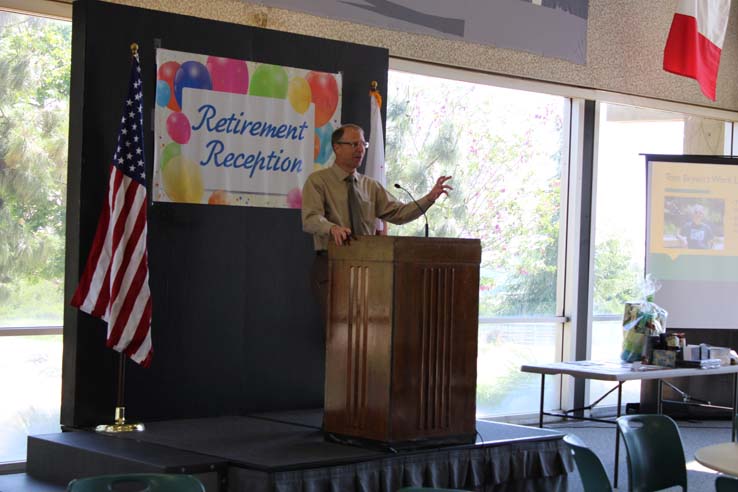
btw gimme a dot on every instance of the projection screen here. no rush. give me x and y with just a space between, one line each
692 238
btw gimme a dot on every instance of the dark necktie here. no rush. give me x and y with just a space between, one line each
354 207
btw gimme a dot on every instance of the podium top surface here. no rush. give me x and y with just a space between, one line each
400 248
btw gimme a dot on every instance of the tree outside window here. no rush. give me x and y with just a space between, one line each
35 55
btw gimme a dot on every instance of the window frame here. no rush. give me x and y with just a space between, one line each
564 300
55 9
729 118
59 10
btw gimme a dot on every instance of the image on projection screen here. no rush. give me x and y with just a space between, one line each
692 239
693 223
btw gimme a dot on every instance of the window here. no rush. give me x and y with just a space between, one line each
35 55
507 151
624 133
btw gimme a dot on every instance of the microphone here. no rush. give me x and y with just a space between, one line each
400 187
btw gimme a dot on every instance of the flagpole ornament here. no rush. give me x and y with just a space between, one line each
375 93
134 49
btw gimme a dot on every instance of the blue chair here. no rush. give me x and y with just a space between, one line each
591 471
724 483
655 453
148 482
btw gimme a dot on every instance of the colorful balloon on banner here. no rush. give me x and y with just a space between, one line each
178 128
163 93
294 198
228 75
324 134
182 180
269 81
299 94
324 89
166 73
218 197
172 149
191 74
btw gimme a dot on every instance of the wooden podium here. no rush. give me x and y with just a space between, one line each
401 341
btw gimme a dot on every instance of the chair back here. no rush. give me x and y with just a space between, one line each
591 471
428 489
724 483
655 452
137 482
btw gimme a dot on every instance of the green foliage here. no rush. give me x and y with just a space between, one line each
617 277
504 149
501 351
34 94
34 301
504 154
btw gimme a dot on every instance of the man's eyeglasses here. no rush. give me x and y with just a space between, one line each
355 145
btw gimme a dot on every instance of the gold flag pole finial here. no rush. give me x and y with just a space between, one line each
374 92
134 49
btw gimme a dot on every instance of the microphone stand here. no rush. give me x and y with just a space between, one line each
400 187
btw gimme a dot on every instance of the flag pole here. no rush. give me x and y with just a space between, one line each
120 424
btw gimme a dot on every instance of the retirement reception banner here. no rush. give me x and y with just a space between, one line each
235 132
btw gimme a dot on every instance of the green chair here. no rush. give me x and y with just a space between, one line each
143 482
724 483
655 452
428 489
592 473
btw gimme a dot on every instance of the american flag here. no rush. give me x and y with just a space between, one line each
115 283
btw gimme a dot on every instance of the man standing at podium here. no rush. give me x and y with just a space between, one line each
338 203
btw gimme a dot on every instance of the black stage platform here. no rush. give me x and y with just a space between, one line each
286 451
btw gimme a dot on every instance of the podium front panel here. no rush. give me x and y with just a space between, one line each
358 348
401 340
434 350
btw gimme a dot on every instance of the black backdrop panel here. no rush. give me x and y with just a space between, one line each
235 326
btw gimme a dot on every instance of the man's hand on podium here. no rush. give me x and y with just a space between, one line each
341 235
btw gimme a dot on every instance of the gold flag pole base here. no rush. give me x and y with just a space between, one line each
120 424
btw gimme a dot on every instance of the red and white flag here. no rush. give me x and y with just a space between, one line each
115 283
696 40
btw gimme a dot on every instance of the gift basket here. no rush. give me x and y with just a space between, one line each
642 319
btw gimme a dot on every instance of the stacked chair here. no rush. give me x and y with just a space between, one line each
428 489
592 473
149 482
724 483
655 452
